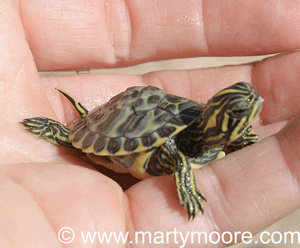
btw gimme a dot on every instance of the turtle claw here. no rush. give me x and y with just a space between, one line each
190 197
194 203
248 138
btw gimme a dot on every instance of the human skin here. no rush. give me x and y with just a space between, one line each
44 187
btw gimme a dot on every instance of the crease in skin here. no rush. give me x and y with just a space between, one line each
118 16
288 141
243 164
123 27
203 28
263 149
132 220
271 153
16 195
223 204
229 209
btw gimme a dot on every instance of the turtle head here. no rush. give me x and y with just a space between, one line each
230 112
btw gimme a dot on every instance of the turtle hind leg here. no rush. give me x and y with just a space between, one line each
48 129
82 111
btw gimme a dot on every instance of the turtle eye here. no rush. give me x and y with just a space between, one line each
239 111
250 98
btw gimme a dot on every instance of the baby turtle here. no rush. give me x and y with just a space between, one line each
148 132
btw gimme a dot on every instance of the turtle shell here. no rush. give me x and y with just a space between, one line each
133 121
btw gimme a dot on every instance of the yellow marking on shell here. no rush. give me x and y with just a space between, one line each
109 165
137 170
121 122
141 148
89 149
78 144
71 136
104 152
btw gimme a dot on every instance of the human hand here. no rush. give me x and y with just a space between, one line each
44 187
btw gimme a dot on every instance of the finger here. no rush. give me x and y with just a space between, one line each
246 191
80 35
199 85
18 208
275 79
53 196
18 73
16 61
19 85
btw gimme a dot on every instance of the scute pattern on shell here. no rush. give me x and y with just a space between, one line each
135 120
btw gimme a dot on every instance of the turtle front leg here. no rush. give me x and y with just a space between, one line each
246 139
169 159
190 197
